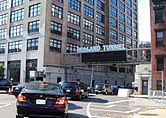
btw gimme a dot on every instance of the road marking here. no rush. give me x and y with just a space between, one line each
103 106
134 110
107 110
5 105
88 111
109 103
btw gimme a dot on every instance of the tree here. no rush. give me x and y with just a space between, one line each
2 68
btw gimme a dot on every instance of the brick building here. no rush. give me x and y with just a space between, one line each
35 35
158 41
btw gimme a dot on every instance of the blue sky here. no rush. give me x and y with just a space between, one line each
144 20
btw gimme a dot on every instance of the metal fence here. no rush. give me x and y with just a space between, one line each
157 94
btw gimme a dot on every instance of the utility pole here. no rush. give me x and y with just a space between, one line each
91 77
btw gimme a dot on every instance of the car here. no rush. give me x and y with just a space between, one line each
102 88
17 89
42 99
4 84
75 89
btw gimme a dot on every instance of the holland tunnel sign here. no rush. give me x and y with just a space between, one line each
106 53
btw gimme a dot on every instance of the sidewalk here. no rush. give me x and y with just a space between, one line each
151 108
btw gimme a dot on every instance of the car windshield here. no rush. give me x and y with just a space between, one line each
99 85
69 85
4 81
21 85
43 86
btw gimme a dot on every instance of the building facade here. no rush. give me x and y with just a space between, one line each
35 35
158 40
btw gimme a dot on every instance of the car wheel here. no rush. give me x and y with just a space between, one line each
79 97
96 93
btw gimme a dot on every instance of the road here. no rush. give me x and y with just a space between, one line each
96 106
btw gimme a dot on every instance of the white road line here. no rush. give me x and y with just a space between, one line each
109 103
103 106
108 110
5 105
88 111
134 110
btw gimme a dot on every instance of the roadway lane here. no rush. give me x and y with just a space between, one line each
100 106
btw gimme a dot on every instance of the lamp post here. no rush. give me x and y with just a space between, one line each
91 77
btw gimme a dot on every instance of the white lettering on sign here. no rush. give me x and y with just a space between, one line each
98 48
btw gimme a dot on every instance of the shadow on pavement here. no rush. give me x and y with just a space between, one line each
97 100
74 107
72 115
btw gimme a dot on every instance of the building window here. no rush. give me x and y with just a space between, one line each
73 33
100 18
75 4
135 35
56 28
3 33
160 63
15 46
17 15
90 1
113 11
57 11
129 22
128 31
100 5
73 18
100 30
88 25
88 11
3 19
121 27
99 41
32 44
128 11
135 16
55 45
128 41
87 39
4 4
2 48
71 48
33 26
159 38
122 38
34 10
121 16
135 26
113 22
114 2
60 1
113 34
16 30
128 2
17 2
135 7
121 6
159 15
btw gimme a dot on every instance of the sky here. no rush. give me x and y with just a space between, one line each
144 20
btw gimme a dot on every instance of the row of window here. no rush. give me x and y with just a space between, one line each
18 29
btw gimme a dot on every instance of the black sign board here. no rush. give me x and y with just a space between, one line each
111 56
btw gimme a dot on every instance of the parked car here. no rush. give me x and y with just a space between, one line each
42 99
75 89
102 88
4 84
17 89
115 89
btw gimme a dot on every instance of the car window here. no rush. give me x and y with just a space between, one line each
42 86
21 85
69 85
106 86
4 81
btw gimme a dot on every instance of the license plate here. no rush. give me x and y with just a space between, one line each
41 102
67 90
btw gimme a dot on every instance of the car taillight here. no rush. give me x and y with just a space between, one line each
21 98
77 90
61 101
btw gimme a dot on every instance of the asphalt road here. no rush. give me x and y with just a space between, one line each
96 106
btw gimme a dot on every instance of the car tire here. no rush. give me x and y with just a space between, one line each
79 97
96 93
106 93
